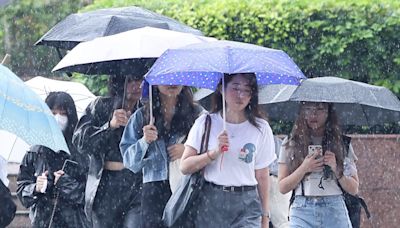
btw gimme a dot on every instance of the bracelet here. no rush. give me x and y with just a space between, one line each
266 214
209 156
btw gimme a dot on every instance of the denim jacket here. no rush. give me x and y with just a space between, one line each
153 158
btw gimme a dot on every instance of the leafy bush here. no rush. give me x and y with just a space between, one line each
22 23
352 39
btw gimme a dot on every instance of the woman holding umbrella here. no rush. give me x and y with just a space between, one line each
318 163
55 197
236 166
149 144
112 192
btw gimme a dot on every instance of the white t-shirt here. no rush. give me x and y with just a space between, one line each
250 149
312 181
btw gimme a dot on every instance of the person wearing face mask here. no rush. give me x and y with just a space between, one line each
55 198
113 192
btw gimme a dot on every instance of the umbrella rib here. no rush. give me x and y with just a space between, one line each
365 114
28 119
9 155
5 97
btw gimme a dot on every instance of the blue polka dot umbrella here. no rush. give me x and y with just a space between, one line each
204 65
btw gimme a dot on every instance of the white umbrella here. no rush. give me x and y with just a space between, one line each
106 53
12 148
79 93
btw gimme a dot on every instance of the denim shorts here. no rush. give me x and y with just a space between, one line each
319 212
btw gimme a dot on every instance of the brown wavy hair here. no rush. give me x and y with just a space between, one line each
300 138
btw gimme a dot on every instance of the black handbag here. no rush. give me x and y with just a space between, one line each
177 212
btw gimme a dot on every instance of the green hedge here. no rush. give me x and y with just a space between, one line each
22 23
355 39
352 39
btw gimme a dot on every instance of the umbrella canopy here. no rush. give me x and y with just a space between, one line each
13 148
86 26
79 93
356 103
266 94
204 64
24 114
131 51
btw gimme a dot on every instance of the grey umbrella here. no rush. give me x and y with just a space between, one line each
81 27
356 103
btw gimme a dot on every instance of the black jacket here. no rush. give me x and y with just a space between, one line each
93 136
7 206
70 190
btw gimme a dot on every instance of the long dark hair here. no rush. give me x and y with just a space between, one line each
64 101
183 119
252 110
116 87
300 139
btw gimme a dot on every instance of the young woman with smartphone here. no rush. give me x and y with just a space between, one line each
317 179
52 194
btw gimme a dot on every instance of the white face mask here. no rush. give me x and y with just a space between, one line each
62 121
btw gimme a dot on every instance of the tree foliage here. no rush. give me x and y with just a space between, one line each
351 39
22 23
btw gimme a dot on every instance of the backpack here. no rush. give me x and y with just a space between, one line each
353 202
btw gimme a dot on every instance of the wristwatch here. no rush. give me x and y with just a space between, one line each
266 214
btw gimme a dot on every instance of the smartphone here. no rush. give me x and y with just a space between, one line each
70 167
315 149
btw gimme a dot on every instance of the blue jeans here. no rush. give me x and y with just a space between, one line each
219 209
319 211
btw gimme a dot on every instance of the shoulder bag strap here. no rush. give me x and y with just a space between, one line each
206 135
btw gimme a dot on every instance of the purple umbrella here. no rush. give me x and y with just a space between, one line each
204 64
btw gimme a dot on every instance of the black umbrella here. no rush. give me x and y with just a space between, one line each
356 103
81 27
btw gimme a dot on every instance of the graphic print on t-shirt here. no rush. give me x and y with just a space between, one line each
246 153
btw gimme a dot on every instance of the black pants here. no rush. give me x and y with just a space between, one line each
154 198
117 202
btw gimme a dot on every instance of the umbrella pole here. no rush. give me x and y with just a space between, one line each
124 96
224 149
61 57
151 104
223 103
